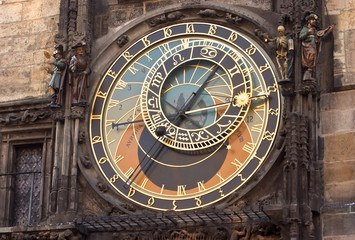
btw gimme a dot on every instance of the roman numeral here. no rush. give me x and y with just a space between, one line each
119 158
113 103
122 84
257 128
129 172
200 186
220 177
248 147
237 163
144 182
181 190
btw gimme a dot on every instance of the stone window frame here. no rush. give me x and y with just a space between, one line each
14 136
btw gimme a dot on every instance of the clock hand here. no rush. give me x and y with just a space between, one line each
208 107
146 164
176 121
124 123
169 117
184 114
191 100
259 96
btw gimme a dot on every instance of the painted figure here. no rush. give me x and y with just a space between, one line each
79 74
311 38
284 53
57 79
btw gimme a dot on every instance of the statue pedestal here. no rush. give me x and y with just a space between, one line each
307 76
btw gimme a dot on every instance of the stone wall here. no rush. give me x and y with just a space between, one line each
338 129
342 12
27 28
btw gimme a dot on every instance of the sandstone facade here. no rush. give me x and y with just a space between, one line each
27 29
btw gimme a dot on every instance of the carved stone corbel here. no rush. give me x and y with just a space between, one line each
310 87
77 112
58 115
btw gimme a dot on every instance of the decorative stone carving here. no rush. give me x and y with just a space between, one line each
102 187
85 160
58 115
310 87
24 117
288 89
232 18
122 40
210 13
77 112
4 237
158 20
269 199
82 136
171 17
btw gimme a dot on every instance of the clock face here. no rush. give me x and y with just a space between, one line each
185 116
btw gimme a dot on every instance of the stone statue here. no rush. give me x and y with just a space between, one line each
58 73
284 52
79 71
311 38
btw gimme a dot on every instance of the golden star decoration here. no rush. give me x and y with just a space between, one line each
242 99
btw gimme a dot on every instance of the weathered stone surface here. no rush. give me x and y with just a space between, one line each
10 13
342 13
341 224
27 28
335 5
338 121
339 147
337 112
337 100
340 192
335 172
350 237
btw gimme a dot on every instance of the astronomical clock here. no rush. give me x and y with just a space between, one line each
185 113
184 116
196 122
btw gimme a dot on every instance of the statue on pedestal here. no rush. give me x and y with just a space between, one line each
284 53
311 39
79 71
58 74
